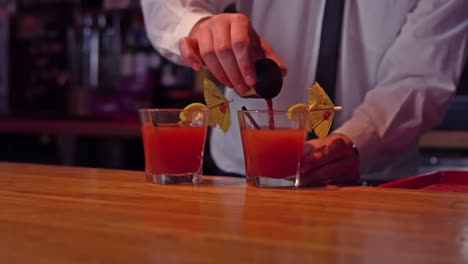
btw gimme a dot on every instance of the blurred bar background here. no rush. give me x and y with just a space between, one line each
73 74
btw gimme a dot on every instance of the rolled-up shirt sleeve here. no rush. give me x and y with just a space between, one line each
417 78
167 21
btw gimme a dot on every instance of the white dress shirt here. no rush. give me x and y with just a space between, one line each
399 66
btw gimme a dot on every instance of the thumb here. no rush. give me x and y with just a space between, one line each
269 53
307 149
312 145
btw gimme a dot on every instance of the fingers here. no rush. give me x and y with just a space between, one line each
343 171
322 151
229 47
330 159
241 45
189 51
207 51
225 55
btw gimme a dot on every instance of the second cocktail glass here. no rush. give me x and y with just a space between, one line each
273 142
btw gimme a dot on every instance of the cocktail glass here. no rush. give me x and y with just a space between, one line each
273 143
173 141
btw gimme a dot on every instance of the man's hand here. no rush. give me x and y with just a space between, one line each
331 159
229 46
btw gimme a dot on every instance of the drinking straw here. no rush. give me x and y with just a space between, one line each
252 120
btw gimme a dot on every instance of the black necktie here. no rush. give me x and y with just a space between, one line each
329 49
330 46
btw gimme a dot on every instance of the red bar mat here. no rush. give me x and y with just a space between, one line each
443 181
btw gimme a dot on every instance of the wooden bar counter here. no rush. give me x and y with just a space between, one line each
51 214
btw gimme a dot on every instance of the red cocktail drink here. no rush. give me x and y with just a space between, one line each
173 147
272 155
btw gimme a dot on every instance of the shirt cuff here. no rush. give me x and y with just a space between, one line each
365 138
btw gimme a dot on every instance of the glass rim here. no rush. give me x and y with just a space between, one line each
281 111
268 111
153 110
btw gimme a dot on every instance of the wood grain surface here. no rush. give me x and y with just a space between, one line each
445 139
52 214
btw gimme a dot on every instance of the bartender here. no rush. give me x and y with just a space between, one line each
392 65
